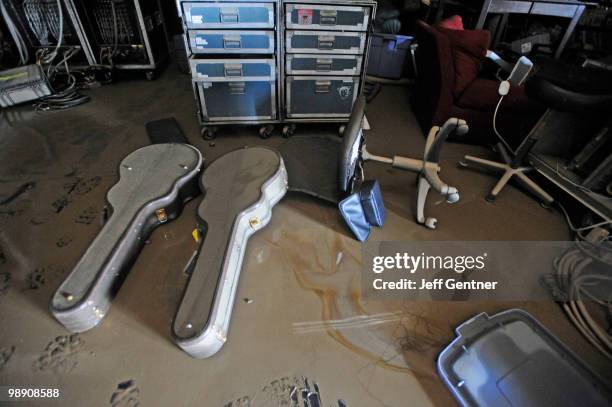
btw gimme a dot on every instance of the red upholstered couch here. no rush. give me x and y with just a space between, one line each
437 96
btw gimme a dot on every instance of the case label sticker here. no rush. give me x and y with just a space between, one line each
305 16
201 41
197 19
344 92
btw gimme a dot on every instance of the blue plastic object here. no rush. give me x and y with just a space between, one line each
354 215
387 55
372 202
363 209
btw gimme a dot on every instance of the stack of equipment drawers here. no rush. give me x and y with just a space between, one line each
324 53
233 60
268 62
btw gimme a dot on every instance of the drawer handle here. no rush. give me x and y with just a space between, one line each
237 88
325 42
232 42
233 69
323 65
328 17
322 86
229 15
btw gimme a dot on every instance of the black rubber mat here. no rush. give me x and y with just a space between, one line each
165 131
312 165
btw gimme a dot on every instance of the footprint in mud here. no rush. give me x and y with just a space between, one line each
79 186
63 241
82 186
60 356
287 391
5 282
5 355
87 216
40 276
60 203
35 279
126 395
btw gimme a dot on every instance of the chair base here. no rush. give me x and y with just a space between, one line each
509 171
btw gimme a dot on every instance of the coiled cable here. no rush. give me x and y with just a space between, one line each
578 272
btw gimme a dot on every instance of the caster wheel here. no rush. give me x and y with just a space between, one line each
463 164
209 133
150 75
453 198
288 130
266 131
341 130
431 223
490 198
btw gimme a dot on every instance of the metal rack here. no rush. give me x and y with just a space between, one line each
124 34
561 136
232 45
41 26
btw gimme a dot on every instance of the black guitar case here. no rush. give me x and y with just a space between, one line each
154 183
240 189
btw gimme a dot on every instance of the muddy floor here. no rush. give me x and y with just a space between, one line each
55 169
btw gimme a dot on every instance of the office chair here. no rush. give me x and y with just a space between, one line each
355 152
513 159
445 88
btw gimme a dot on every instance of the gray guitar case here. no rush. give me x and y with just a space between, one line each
154 183
240 189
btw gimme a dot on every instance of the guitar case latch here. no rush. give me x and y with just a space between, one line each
161 214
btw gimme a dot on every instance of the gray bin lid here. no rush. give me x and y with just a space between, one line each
510 359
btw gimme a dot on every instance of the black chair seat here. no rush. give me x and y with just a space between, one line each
570 88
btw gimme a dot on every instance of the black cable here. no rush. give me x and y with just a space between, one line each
65 86
61 100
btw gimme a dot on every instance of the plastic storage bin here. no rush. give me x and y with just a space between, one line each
510 359
387 55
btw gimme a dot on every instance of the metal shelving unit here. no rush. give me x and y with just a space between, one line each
40 22
124 34
561 136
